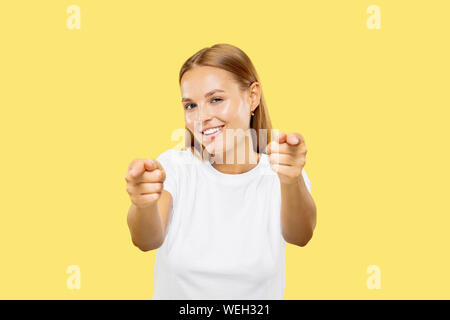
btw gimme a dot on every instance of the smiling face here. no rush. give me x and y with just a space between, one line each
212 100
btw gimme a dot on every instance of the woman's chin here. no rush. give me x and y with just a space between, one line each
211 148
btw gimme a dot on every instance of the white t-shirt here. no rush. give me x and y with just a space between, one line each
224 237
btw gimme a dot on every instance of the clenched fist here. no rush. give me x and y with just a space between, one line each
145 181
287 155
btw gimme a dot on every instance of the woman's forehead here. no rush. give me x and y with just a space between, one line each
201 80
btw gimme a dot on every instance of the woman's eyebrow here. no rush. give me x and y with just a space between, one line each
206 95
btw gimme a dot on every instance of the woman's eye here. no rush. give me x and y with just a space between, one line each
188 106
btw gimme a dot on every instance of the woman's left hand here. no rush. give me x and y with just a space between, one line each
287 155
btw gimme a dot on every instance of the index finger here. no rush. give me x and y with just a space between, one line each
275 147
294 139
135 169
281 137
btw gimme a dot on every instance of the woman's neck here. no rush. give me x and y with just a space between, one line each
237 165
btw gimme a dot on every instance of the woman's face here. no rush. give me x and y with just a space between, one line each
212 99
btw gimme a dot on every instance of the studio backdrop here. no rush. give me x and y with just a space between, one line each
87 86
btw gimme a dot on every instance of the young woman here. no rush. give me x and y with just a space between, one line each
221 210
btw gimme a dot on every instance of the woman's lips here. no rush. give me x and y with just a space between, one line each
212 135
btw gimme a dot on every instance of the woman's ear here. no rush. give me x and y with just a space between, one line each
255 95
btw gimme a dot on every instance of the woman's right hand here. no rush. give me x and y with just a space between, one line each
145 181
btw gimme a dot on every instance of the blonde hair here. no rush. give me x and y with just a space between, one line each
234 60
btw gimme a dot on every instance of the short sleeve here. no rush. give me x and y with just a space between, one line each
168 162
306 179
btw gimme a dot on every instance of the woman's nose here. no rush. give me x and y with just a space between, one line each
204 113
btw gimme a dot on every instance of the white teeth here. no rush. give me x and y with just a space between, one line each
211 131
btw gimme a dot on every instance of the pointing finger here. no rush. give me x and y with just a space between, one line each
281 137
275 147
137 169
292 139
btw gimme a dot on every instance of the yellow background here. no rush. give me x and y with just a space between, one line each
78 105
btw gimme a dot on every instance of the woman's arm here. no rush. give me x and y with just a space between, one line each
298 213
145 227
148 226
287 156
151 205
